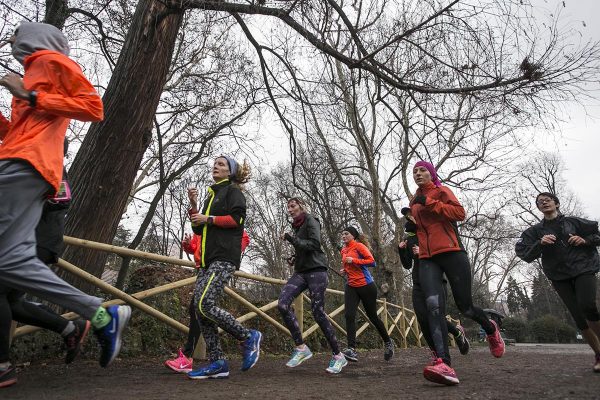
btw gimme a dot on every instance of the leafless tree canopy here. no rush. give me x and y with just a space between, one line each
360 90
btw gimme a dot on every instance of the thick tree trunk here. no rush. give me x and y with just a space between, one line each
108 160
57 12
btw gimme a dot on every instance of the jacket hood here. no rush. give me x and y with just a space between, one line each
35 36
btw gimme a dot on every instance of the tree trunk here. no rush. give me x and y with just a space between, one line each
57 12
101 184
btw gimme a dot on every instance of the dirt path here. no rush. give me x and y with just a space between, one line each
525 372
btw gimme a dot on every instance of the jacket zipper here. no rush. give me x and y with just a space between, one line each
426 233
449 237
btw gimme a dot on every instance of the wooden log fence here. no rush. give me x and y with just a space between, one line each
404 321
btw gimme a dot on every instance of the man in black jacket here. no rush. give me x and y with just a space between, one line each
567 246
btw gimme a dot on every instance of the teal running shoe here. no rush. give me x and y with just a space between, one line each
299 356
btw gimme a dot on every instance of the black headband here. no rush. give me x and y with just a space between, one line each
353 231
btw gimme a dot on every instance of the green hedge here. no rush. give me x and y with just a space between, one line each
549 329
516 328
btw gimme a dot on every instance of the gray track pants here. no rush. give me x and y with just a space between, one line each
22 192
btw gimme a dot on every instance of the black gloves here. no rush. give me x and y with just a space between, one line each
289 238
420 199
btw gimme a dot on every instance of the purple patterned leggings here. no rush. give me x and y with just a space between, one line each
316 283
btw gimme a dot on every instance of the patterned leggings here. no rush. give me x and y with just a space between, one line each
209 289
316 283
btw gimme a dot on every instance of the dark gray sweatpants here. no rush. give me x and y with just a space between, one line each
22 192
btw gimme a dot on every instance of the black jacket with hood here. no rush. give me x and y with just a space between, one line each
222 244
561 260
307 245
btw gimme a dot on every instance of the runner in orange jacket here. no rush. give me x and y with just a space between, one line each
52 92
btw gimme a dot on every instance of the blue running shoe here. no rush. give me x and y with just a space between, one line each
109 336
251 350
215 370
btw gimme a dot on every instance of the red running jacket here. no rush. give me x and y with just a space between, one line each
436 221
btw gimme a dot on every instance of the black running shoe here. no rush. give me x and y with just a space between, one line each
75 339
350 354
461 340
388 351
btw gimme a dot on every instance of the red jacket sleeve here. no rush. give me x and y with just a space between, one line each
191 246
245 240
448 206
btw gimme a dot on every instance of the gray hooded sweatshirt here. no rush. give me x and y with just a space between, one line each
35 36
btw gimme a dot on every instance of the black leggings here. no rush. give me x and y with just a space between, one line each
368 295
579 295
13 306
194 332
420 308
455 265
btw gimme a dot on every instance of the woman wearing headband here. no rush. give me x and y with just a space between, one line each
221 225
436 211
360 287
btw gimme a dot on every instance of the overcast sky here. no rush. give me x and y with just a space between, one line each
579 141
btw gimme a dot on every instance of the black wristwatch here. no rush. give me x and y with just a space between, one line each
210 220
33 98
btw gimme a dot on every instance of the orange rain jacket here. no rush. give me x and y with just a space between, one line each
436 221
37 135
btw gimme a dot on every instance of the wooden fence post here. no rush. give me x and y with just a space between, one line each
11 334
200 350
385 314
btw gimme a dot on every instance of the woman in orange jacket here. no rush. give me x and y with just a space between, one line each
360 287
436 211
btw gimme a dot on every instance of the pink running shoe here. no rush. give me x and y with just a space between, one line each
180 364
440 373
495 341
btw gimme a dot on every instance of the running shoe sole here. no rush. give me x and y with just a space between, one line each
337 372
299 362
8 383
221 375
180 370
434 377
